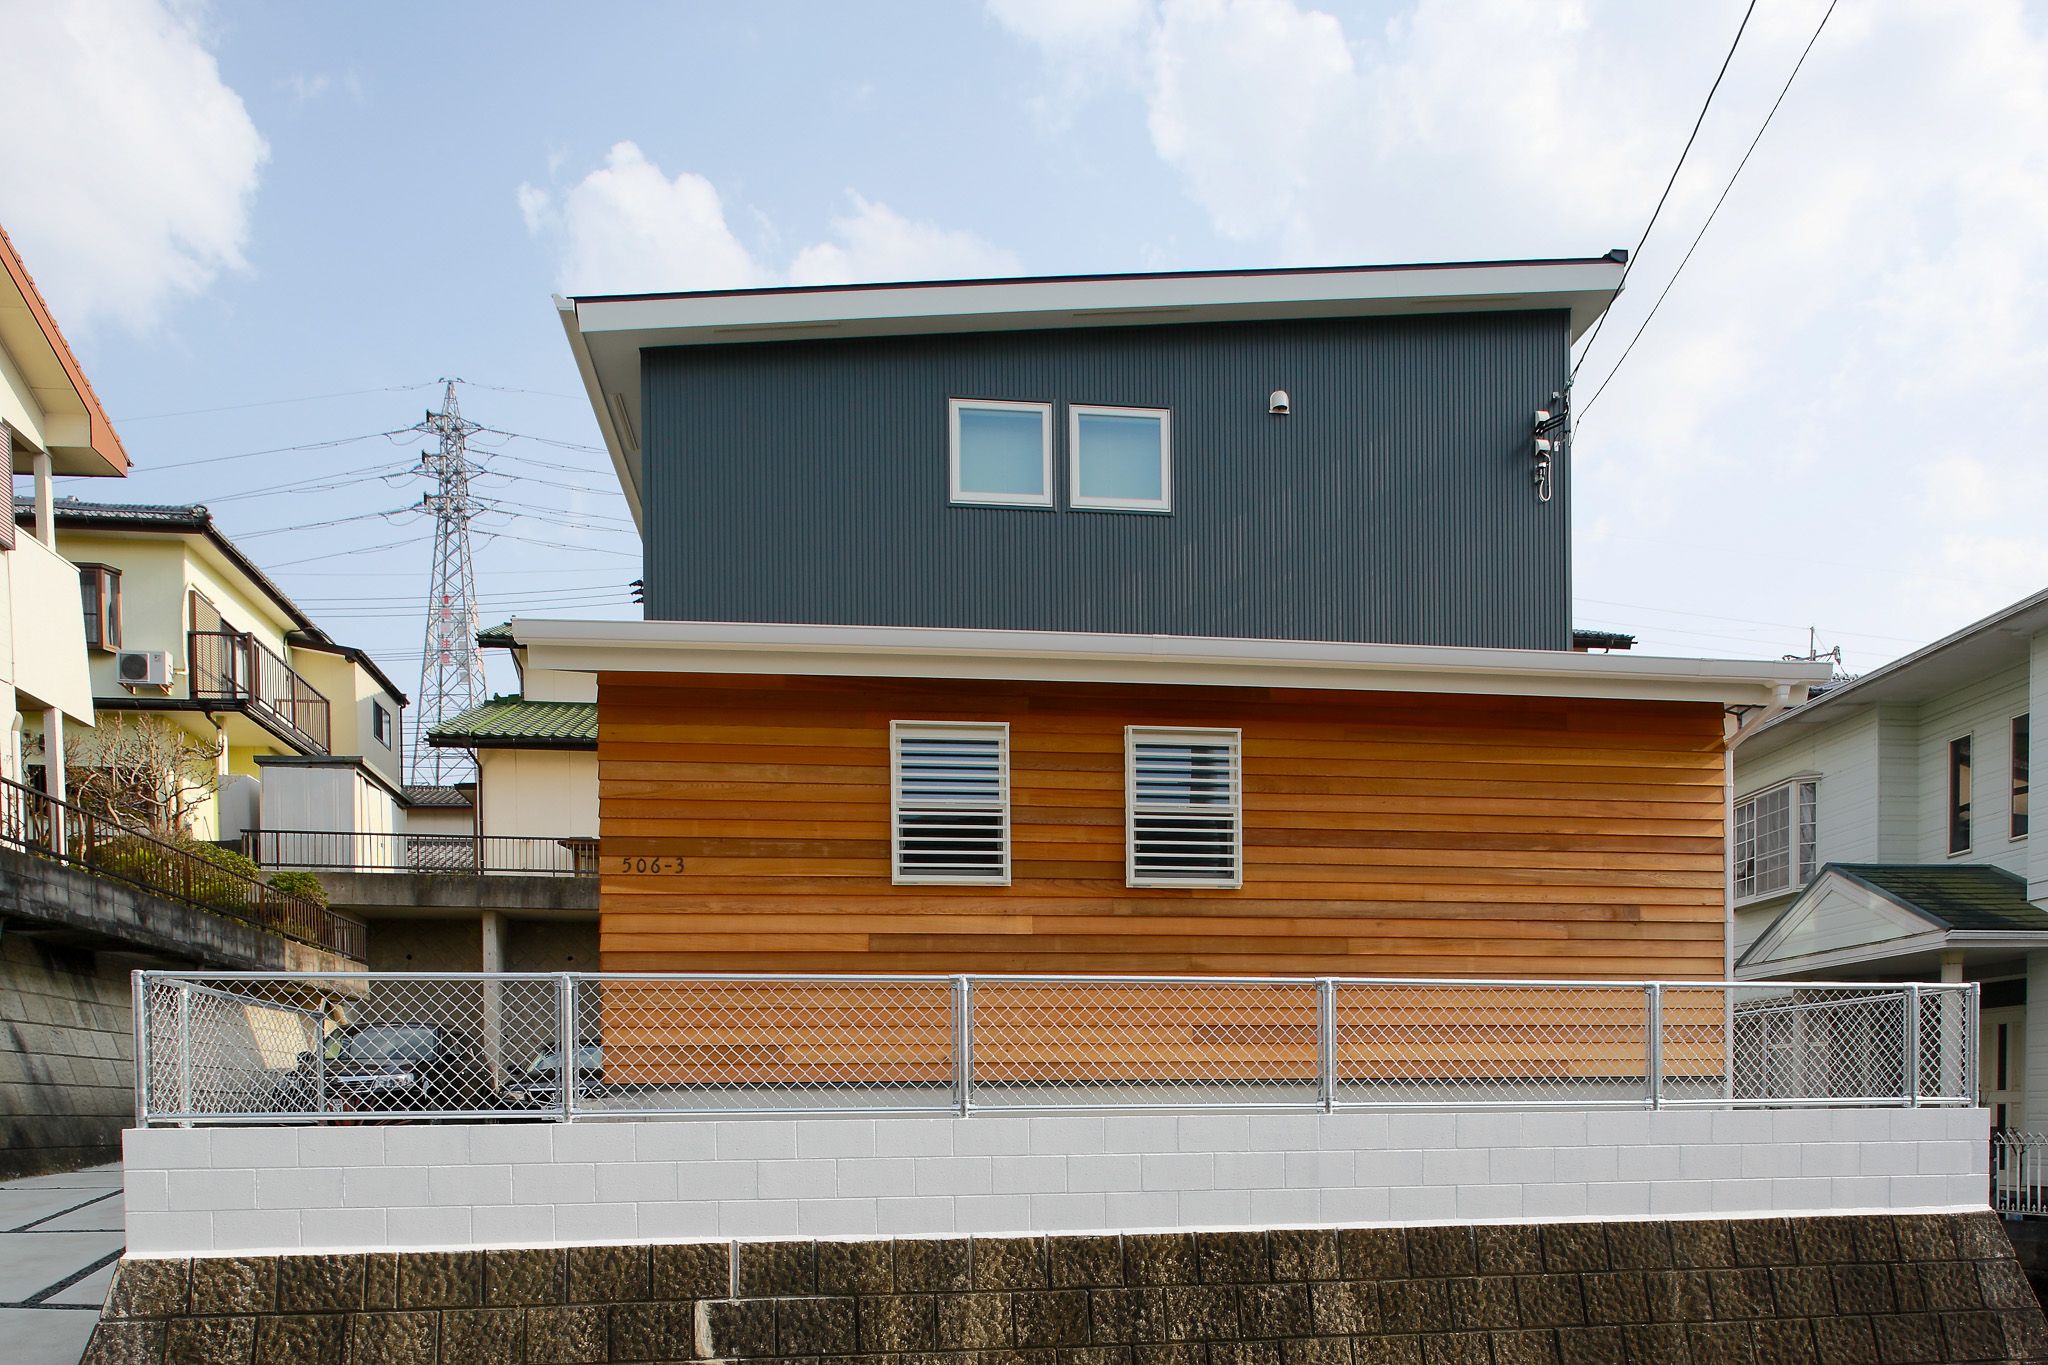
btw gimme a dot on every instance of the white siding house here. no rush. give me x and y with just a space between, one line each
1883 833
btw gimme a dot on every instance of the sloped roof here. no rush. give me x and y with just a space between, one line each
420 794
53 374
1956 896
515 723
497 637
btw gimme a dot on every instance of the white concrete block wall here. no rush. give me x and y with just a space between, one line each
234 1190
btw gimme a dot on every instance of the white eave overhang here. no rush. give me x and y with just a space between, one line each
607 333
1896 952
1197 661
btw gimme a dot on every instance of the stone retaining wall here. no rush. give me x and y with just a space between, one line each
1888 1289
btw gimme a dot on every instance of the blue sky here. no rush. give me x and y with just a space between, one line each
1835 419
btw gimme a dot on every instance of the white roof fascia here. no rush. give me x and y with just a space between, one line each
628 469
1583 286
1915 946
1060 656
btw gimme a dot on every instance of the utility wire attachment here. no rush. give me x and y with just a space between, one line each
451 670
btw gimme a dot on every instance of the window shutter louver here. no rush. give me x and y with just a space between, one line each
951 797
1183 808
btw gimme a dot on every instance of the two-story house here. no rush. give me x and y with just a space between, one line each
1882 832
179 623
1171 623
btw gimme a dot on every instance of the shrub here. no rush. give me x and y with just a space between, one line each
300 884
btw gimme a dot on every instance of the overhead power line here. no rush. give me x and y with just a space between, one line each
1761 129
1684 152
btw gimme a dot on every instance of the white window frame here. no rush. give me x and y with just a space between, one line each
1163 503
972 499
1134 735
899 730
1802 860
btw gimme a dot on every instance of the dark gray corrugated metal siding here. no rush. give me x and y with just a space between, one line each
806 482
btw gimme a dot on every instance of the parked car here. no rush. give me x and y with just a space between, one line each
540 1085
403 1067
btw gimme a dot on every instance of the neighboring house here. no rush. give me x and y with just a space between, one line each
1883 832
1167 623
179 623
51 423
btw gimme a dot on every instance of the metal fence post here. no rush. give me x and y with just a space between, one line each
963 1046
1912 1044
565 1028
1326 1044
1653 1044
184 1053
1972 1002
138 991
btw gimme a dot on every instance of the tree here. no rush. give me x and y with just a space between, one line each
143 771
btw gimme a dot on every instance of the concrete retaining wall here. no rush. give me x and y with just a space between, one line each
263 1190
1870 1290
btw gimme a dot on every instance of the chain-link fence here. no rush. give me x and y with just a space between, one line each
373 1047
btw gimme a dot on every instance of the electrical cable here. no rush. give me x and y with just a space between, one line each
1710 216
1635 255
276 402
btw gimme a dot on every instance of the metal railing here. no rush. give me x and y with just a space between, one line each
2019 1172
229 666
404 852
254 1048
34 823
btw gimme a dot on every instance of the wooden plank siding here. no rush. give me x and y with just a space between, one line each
1385 833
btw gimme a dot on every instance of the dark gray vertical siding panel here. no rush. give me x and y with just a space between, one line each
806 482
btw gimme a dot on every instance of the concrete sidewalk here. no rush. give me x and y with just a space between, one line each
59 1237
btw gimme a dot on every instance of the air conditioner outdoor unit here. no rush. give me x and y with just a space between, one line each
143 667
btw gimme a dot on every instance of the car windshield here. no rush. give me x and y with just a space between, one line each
589 1057
384 1043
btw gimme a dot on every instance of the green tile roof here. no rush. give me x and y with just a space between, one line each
499 636
1958 895
515 723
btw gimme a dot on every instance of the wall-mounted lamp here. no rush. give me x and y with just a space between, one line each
1276 403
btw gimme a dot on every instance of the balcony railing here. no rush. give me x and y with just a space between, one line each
34 823
228 666
242 1047
490 854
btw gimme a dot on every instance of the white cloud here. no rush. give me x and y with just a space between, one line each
1810 426
129 166
876 243
627 228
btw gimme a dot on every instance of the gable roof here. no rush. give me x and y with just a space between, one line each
515 723
1955 896
1860 913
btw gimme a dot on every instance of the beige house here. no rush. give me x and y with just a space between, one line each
178 622
51 423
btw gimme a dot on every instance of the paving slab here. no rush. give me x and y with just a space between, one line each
31 1262
90 1292
92 1177
45 1336
21 1207
103 1215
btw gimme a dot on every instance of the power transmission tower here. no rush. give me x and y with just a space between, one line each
451 670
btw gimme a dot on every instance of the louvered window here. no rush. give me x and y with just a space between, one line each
950 790
1183 808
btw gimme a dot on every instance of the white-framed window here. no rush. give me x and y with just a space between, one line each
949 803
999 453
1183 808
1120 459
1777 839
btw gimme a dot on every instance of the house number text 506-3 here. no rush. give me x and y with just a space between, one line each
650 864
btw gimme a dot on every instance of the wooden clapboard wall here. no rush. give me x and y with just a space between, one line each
745 827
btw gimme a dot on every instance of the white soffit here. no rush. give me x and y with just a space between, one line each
608 332
1058 656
